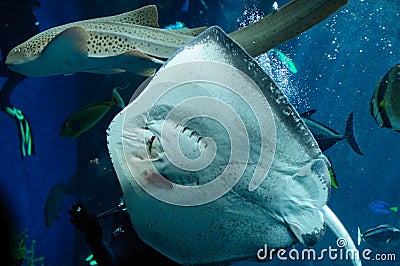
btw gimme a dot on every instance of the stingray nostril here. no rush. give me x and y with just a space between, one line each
151 143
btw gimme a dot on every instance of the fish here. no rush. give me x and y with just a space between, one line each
133 41
285 60
192 184
179 25
385 101
383 235
85 118
332 175
327 137
381 207
54 200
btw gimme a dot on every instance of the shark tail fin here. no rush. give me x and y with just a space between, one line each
349 134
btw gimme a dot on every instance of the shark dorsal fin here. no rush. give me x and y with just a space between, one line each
145 16
191 32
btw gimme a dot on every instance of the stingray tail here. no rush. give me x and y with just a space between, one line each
344 239
349 134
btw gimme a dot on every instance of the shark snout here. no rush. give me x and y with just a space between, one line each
15 59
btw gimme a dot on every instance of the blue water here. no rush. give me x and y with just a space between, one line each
339 61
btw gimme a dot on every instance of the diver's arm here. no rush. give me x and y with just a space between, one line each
90 226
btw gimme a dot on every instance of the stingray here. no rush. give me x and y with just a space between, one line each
133 42
215 163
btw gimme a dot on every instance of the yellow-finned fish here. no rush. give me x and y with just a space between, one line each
86 117
385 102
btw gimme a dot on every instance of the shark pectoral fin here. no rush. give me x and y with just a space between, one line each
191 32
145 16
105 71
69 47
139 63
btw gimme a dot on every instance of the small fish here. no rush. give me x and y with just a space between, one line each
86 117
381 207
327 137
385 102
54 200
332 174
285 60
383 235
177 26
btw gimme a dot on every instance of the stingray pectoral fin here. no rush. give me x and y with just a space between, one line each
334 224
69 47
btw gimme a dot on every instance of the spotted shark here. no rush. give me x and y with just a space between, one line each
133 41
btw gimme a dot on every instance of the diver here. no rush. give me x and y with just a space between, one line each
125 247
17 24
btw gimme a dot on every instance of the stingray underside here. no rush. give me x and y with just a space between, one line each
283 177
